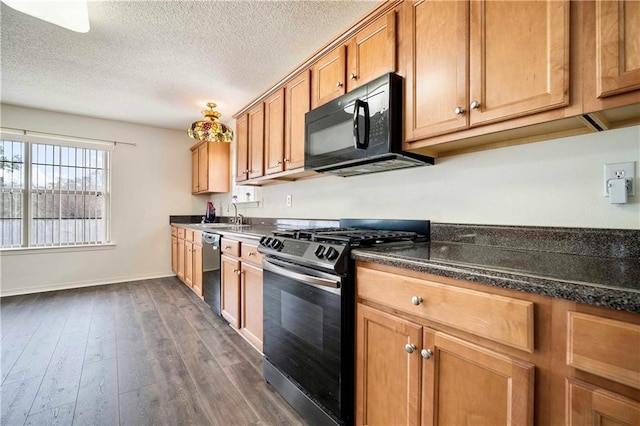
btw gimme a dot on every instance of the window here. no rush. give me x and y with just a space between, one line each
53 195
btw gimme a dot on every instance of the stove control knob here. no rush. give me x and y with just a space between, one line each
276 244
331 254
319 252
263 241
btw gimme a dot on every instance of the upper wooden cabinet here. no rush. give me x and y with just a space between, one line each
328 76
516 54
274 111
297 104
250 144
210 167
372 51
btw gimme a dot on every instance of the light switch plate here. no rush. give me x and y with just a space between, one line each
620 171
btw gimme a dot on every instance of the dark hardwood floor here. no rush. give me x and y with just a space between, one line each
145 352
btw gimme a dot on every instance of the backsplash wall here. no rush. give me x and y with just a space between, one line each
551 183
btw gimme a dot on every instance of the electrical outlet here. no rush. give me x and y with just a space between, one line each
288 200
620 171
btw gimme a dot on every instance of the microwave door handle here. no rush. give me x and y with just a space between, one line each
356 133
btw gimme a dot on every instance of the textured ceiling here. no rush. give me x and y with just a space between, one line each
159 62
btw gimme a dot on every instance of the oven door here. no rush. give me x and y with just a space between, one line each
304 331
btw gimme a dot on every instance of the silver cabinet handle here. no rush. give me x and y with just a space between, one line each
475 105
251 253
286 160
352 76
279 162
426 353
338 84
416 300
235 271
409 348
459 111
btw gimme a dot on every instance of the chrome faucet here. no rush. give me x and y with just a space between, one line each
237 218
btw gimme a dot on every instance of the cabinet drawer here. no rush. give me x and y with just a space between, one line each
604 347
498 318
230 247
188 234
174 231
249 253
181 233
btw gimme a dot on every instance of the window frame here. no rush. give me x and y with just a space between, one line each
28 191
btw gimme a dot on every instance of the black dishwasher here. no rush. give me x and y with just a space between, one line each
211 270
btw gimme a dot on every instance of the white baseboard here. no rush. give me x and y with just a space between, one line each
79 284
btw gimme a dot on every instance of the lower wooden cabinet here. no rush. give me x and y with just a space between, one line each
241 295
186 257
591 405
409 374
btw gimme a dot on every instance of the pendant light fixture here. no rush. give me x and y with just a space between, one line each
209 128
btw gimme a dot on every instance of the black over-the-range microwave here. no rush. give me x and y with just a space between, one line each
360 132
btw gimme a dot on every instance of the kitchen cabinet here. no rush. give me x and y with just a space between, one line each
210 163
474 63
612 60
410 372
250 143
297 104
242 148
241 295
186 257
590 405
370 53
274 114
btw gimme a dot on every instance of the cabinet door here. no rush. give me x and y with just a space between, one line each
242 148
256 142
274 132
519 58
387 376
188 263
251 304
197 270
174 254
590 405
372 52
618 48
467 384
437 79
203 167
328 75
230 290
181 260
195 172
298 102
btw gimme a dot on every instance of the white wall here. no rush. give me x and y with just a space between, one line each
551 183
149 182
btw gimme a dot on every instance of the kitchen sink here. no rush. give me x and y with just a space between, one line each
218 225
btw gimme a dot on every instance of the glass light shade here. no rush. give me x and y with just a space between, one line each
209 128
70 14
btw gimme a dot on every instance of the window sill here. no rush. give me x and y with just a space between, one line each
61 249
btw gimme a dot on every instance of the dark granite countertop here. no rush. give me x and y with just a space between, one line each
601 281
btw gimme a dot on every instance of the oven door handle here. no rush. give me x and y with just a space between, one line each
319 282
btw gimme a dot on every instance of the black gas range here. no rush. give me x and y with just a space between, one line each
309 311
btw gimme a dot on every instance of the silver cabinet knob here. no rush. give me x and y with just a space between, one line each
426 353
235 271
251 253
459 111
352 76
278 163
409 348
286 160
475 105
416 300
338 84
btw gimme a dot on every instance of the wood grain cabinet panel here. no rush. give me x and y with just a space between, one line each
590 405
372 51
274 111
230 247
251 304
480 62
297 103
249 253
197 280
230 290
605 347
256 142
210 162
387 377
502 319
466 384
328 76
242 148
